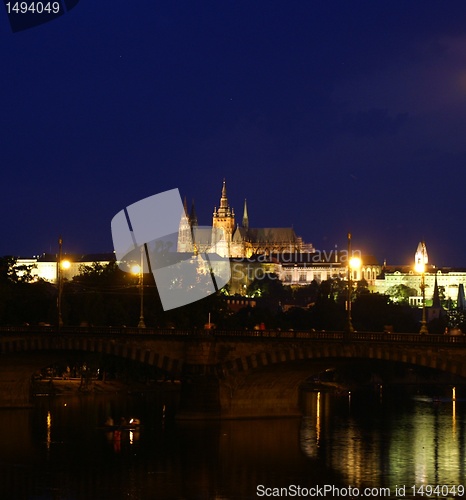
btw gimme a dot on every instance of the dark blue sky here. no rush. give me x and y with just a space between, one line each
328 116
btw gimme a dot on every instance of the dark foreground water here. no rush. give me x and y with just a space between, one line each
57 450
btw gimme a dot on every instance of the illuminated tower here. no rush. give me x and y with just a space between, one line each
420 257
223 225
224 217
185 241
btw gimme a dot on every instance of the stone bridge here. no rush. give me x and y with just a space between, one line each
224 374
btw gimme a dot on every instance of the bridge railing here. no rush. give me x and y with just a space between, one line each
352 337
106 331
391 338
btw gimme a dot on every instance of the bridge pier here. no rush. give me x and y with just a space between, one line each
207 397
259 402
200 398
15 384
267 393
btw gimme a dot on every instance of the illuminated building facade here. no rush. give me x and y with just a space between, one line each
45 266
446 279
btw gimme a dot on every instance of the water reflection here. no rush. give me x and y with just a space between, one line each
49 430
374 444
60 449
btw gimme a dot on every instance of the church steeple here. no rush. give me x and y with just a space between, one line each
224 209
192 216
420 257
245 216
436 296
224 199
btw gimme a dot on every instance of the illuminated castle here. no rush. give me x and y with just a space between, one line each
227 238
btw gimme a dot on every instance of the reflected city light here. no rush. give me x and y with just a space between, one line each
49 430
318 420
374 455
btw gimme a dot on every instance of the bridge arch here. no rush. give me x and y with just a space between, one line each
226 373
439 359
22 355
160 355
267 382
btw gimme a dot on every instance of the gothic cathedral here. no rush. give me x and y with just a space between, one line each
230 240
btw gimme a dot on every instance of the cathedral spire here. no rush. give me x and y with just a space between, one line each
192 216
224 210
245 216
436 296
185 243
224 199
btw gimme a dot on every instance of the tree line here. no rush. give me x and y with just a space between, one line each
103 295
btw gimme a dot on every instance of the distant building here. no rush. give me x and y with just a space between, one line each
45 266
447 279
303 268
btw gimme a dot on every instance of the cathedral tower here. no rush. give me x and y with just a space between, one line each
224 217
185 241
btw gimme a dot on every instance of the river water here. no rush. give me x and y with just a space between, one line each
58 450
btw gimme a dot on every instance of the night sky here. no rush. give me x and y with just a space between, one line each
328 116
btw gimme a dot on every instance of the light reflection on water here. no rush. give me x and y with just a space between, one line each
58 450
378 445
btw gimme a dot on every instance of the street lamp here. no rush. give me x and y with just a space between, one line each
139 270
353 263
61 265
420 267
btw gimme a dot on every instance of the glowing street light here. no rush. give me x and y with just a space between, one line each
420 262
420 267
139 270
61 265
353 263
